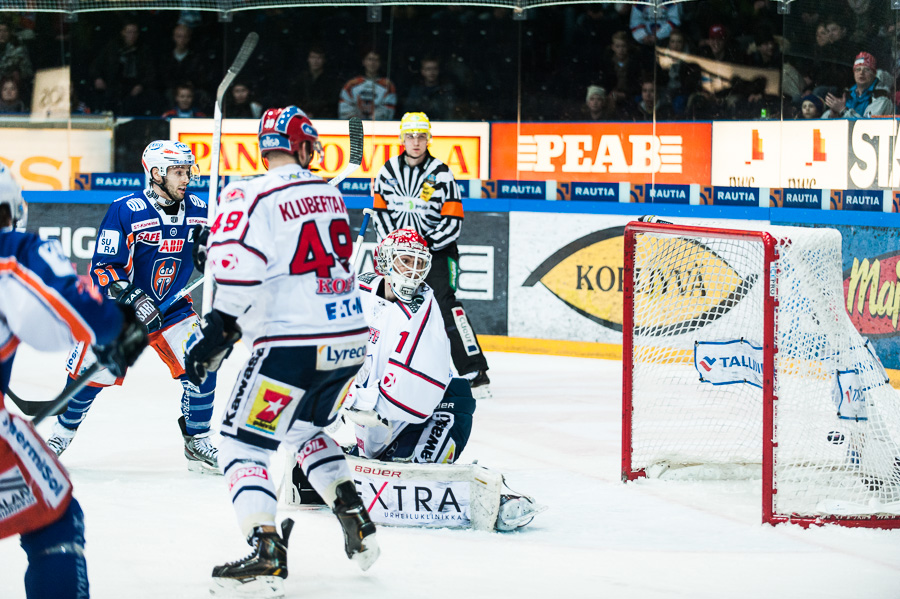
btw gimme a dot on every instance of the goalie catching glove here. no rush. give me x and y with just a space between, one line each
122 352
127 294
210 345
359 406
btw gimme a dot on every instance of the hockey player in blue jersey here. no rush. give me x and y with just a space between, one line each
43 304
143 257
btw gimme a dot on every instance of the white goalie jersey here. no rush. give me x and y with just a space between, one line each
407 367
282 243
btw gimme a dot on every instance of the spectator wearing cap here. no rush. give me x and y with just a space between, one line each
869 97
811 107
597 105
718 46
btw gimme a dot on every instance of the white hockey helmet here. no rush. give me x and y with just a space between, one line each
11 195
163 153
403 258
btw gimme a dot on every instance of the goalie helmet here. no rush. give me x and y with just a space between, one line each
403 258
163 153
11 196
415 122
284 129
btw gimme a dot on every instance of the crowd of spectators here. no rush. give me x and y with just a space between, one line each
700 60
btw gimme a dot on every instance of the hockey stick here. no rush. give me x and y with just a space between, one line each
368 213
242 57
58 404
356 151
168 303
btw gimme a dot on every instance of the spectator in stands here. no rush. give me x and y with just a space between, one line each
597 105
650 28
14 60
184 65
718 46
239 103
682 78
621 72
430 94
315 89
767 52
124 75
10 102
650 107
184 104
869 97
368 96
811 107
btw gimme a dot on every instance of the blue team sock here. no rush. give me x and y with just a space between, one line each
197 404
78 406
56 565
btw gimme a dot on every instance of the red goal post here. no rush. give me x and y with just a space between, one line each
739 361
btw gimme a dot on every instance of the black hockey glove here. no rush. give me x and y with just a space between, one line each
121 352
128 295
201 238
209 346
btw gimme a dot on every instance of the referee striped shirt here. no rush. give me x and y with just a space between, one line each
398 201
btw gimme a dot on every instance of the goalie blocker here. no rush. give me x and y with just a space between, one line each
429 495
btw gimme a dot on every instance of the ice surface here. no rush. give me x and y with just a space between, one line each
154 530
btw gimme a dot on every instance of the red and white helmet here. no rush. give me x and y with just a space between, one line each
403 258
284 129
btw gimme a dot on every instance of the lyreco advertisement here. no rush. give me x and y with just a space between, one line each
47 159
602 152
565 276
789 154
464 147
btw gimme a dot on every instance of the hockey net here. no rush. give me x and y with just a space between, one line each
739 360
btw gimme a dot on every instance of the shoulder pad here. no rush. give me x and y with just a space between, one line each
416 303
134 203
367 277
197 201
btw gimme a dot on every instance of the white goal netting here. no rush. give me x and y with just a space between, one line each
698 382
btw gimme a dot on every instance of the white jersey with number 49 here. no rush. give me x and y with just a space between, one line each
281 243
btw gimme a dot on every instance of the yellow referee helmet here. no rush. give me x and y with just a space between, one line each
415 122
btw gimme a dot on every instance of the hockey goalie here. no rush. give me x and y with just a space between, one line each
410 418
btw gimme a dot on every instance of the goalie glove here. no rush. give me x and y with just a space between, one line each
427 191
127 294
198 254
369 418
210 345
120 353
359 407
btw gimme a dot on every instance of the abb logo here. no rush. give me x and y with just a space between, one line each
599 154
171 246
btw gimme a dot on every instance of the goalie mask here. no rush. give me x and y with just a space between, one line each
403 258
284 129
161 155
11 196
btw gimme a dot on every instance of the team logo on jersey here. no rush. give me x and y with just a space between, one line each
197 201
268 405
234 194
136 204
374 334
164 272
108 242
389 380
171 246
15 494
227 262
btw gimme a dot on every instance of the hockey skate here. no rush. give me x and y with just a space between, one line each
201 454
260 574
481 385
60 437
516 510
359 530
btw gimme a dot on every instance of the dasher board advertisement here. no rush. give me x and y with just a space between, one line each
602 152
464 147
792 154
48 159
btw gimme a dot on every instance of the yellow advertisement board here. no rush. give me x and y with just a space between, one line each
464 147
47 159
